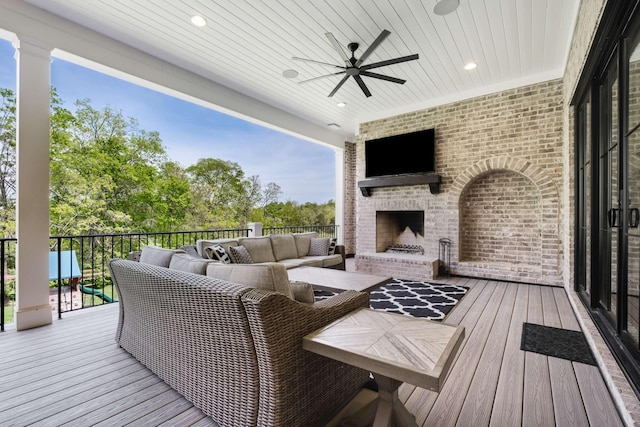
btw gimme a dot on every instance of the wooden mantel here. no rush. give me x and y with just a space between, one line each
368 184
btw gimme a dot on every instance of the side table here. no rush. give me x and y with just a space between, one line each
396 348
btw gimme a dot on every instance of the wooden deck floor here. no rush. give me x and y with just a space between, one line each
73 373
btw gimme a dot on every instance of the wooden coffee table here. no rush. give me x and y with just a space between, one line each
328 279
396 348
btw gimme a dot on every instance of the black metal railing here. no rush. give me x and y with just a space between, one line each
322 230
78 273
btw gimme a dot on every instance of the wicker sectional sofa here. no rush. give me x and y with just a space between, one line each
233 350
290 249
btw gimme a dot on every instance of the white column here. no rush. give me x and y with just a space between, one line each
340 193
32 205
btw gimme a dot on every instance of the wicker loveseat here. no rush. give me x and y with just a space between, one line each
233 350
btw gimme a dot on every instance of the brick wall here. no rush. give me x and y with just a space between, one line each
349 202
514 137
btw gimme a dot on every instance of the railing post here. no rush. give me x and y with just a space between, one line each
256 228
59 261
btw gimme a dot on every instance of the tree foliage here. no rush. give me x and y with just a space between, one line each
110 176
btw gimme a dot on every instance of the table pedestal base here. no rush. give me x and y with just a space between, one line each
391 412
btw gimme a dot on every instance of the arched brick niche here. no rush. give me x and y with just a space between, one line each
508 223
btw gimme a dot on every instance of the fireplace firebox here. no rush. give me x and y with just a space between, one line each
400 232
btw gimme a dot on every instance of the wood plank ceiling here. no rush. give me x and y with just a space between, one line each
246 45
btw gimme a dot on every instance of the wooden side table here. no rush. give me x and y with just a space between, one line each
396 348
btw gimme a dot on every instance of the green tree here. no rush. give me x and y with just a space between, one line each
217 188
110 176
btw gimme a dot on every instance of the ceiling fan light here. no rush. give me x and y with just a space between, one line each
341 104
444 7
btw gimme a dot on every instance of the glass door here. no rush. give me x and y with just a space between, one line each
609 209
631 229
584 199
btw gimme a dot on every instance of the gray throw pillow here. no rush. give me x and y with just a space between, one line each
319 246
157 256
240 255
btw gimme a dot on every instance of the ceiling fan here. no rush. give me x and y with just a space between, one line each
353 67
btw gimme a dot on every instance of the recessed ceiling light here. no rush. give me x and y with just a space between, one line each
333 125
290 74
341 104
198 21
444 7
470 66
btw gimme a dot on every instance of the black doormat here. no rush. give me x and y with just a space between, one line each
556 342
418 299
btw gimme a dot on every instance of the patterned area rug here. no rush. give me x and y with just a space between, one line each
418 299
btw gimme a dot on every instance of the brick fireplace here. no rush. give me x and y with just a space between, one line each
500 159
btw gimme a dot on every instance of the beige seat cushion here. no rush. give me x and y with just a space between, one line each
156 255
259 248
331 260
297 262
269 276
284 246
303 242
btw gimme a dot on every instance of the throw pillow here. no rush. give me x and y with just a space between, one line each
185 262
302 292
191 250
240 255
217 252
332 246
319 246
157 256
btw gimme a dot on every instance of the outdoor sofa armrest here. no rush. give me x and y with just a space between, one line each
298 387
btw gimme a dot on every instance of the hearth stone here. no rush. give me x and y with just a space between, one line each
407 266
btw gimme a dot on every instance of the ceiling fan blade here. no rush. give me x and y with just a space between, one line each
389 62
322 77
338 48
382 77
335 89
383 35
362 85
295 58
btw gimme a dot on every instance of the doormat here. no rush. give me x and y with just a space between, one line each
556 342
419 299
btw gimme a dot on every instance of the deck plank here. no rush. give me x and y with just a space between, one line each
537 408
447 407
507 407
567 404
601 412
465 314
479 401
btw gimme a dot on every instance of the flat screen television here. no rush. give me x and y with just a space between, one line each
409 153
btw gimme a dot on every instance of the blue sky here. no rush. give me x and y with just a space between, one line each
305 171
